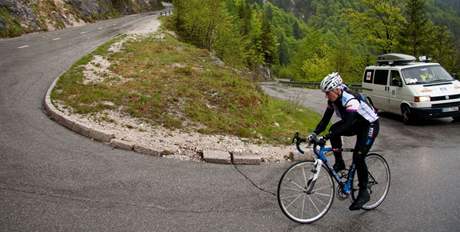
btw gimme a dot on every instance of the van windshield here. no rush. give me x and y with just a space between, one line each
426 75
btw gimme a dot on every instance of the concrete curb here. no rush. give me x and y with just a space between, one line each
121 144
216 156
245 158
66 121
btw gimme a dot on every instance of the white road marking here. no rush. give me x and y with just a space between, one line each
24 46
83 32
56 39
99 28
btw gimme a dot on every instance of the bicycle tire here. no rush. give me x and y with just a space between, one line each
376 178
287 185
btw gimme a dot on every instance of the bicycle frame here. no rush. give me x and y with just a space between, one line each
320 158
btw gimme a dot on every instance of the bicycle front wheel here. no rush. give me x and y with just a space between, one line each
379 181
303 200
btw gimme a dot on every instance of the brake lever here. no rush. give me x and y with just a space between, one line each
295 138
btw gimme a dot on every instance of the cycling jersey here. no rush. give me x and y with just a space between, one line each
352 104
350 110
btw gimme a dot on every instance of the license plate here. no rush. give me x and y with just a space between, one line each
450 109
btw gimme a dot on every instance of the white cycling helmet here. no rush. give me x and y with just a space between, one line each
330 82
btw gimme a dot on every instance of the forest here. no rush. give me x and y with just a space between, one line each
305 40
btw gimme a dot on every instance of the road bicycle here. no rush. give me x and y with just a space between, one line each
306 189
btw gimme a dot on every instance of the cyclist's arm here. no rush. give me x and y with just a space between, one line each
351 114
325 120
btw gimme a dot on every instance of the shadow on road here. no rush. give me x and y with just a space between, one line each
422 123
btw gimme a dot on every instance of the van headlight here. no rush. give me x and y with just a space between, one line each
421 99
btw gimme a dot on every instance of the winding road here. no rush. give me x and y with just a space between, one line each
52 179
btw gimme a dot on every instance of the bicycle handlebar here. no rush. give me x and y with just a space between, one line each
315 141
298 140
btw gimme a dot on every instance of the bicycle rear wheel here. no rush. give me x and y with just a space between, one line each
301 200
379 181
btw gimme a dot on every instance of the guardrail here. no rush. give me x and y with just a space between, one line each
315 85
165 12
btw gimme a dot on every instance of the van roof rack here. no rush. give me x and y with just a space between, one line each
395 59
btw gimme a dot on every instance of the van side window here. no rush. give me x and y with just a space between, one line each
381 77
368 76
394 76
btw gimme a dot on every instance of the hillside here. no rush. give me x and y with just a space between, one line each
22 16
347 35
174 85
442 12
447 11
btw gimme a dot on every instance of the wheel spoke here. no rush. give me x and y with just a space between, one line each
293 201
321 188
291 196
319 199
305 176
298 185
303 206
295 190
313 203
322 194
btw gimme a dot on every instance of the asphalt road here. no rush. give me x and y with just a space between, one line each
52 179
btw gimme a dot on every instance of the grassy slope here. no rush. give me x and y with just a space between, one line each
176 85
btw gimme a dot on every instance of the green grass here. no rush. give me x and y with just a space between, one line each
176 85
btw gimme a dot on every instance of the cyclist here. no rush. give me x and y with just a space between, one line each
357 118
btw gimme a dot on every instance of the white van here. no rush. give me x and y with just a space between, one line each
416 90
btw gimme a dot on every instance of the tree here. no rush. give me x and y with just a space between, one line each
228 44
283 51
378 22
208 24
268 40
297 32
442 48
244 13
417 28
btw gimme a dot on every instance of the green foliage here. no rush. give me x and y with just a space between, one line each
379 23
346 36
209 25
238 31
283 51
11 26
417 29
442 48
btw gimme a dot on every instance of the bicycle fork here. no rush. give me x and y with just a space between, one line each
312 180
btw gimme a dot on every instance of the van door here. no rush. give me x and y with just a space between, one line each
395 91
381 89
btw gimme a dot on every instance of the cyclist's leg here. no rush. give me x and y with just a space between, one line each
364 141
336 143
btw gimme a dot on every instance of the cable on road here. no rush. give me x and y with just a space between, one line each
251 181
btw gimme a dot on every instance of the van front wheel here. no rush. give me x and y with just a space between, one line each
407 115
456 118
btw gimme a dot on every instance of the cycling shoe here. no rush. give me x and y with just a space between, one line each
363 198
